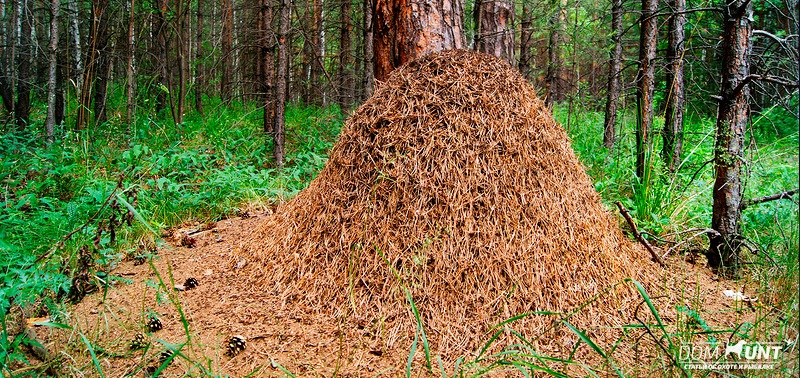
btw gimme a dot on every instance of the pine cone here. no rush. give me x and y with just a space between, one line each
236 345
165 355
154 324
190 283
139 341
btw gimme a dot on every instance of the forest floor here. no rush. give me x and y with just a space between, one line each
199 322
207 171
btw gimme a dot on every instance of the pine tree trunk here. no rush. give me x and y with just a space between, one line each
6 59
317 47
553 90
494 34
182 15
526 41
404 30
345 58
103 57
281 82
268 69
673 117
160 47
645 83
22 109
612 97
50 121
227 49
369 62
732 120
76 69
199 76
130 67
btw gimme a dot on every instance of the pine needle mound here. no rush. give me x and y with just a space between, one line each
454 186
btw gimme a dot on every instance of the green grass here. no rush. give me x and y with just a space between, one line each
212 165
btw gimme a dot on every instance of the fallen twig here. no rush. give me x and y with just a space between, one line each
783 195
702 231
638 236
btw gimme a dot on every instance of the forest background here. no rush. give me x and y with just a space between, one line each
124 118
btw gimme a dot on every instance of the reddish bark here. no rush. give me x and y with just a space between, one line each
404 30
494 34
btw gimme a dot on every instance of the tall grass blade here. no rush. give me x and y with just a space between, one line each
93 354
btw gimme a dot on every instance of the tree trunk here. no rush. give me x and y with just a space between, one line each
103 58
731 125
199 76
404 30
645 82
130 67
526 41
182 15
281 82
610 124
50 121
227 49
6 59
268 69
318 52
553 91
22 109
160 46
494 34
673 117
345 58
369 63
76 69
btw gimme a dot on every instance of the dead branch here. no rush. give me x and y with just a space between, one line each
779 196
638 236
702 231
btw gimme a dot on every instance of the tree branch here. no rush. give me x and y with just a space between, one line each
638 236
779 196
767 78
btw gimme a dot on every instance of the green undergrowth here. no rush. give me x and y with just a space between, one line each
77 192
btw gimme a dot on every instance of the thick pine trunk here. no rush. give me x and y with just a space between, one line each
404 30
673 117
281 83
731 125
494 34
645 83
50 121
614 73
